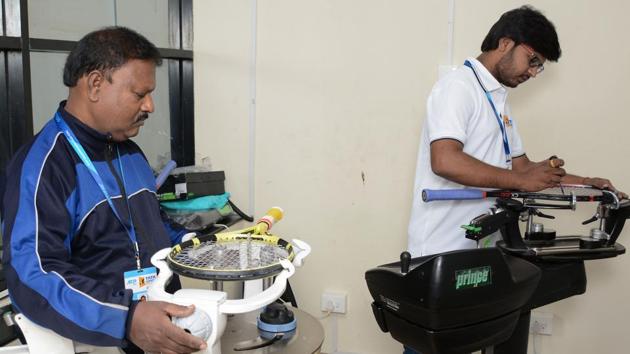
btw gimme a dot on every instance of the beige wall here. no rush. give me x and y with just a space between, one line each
341 90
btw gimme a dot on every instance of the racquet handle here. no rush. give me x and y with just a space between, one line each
429 195
266 222
164 173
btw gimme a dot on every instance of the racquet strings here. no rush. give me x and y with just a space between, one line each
233 255
577 190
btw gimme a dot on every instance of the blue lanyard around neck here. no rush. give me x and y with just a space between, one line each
78 148
506 143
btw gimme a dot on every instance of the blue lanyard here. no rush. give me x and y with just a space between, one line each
76 145
506 143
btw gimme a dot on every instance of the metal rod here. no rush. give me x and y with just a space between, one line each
217 285
267 282
547 251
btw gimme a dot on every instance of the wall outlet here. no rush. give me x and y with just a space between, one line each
541 323
334 302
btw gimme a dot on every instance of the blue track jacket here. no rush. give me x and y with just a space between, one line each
64 250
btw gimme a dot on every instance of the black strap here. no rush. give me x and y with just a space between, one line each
240 212
288 295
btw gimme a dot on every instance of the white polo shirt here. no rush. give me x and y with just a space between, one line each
458 108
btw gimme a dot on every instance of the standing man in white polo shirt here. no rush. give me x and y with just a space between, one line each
470 138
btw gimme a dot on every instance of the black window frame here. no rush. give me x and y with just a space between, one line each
16 112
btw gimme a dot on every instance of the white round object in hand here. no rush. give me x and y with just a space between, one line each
198 324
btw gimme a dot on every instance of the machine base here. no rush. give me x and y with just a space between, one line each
242 331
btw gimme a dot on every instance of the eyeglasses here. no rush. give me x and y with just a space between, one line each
534 61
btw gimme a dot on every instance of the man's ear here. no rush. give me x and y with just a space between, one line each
505 44
94 81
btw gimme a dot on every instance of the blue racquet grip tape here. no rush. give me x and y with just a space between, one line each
429 195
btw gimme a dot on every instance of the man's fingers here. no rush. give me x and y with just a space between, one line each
152 330
179 311
603 183
555 162
176 347
553 166
185 341
558 171
619 193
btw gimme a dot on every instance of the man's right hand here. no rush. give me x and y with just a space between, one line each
541 175
153 331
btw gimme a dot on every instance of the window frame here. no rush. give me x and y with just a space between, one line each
16 112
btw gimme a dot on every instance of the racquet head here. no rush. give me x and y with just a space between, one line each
230 256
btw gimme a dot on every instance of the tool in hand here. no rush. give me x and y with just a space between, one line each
554 166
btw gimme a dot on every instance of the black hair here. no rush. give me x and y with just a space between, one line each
528 26
107 49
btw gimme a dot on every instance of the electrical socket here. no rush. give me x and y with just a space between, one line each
334 302
541 323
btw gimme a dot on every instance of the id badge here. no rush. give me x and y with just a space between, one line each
138 281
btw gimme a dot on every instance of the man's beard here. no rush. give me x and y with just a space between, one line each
503 68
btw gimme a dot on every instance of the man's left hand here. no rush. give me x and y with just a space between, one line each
603 183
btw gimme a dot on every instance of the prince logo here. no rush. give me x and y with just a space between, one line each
472 278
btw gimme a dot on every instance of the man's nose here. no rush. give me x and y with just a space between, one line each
147 105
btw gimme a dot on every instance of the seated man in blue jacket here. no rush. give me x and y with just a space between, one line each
81 209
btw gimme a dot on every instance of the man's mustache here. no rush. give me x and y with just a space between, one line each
142 117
